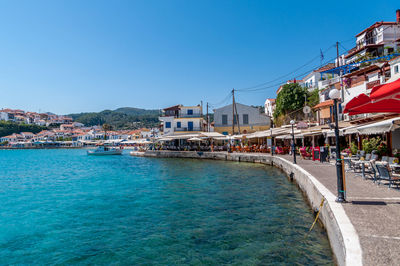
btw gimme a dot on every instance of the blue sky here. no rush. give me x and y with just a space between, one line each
77 56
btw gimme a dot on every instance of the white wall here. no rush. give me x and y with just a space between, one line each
3 116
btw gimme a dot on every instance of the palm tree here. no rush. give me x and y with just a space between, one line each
106 127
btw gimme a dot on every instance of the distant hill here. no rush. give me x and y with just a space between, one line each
136 111
121 118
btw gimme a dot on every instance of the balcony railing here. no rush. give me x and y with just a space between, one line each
195 115
187 129
327 82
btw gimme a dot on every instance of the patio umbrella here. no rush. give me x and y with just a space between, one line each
356 102
383 99
386 91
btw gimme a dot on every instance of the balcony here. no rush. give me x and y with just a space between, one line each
323 83
183 129
195 115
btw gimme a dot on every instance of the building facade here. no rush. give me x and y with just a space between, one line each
181 119
250 119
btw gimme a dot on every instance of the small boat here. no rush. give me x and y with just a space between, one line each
105 150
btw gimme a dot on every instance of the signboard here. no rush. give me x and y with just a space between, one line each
315 154
269 142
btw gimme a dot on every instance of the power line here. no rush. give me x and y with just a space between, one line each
288 74
280 83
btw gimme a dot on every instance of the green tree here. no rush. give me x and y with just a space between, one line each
313 98
9 127
290 99
106 127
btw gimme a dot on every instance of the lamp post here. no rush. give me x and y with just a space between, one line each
292 122
335 95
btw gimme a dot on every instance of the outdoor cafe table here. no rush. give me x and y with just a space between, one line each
362 164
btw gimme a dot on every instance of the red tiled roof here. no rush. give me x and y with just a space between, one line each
376 25
324 104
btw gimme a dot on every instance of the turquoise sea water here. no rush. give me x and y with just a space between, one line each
64 207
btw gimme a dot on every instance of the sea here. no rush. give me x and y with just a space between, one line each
64 207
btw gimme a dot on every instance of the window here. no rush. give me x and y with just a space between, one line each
190 112
245 119
224 119
396 69
167 124
178 124
234 119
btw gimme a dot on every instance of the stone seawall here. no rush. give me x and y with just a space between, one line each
342 234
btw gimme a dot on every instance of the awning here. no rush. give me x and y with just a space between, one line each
188 136
331 132
350 130
288 136
379 127
196 139
211 134
280 131
259 134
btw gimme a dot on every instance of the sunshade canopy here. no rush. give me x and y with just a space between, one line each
379 127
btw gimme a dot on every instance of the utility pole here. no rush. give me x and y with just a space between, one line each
337 54
233 111
237 118
207 119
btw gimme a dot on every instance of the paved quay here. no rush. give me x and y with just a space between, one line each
374 211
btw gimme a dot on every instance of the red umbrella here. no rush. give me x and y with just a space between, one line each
388 90
382 106
384 98
356 102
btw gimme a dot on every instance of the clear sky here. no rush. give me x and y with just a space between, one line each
75 56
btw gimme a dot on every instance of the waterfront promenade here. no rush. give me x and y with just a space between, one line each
372 209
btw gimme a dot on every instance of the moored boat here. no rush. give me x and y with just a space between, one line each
105 150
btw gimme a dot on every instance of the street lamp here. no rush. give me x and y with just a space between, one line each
335 95
292 122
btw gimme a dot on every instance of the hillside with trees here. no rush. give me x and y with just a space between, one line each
121 118
8 128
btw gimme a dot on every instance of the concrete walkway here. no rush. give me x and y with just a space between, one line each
373 209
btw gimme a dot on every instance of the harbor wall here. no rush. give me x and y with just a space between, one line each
342 235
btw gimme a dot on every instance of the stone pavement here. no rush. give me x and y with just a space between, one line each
373 209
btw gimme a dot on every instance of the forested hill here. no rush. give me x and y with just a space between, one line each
121 118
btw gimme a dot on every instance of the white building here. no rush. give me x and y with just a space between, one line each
181 119
380 39
249 119
269 107
3 116
394 69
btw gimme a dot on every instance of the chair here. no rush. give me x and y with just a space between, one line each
368 157
385 158
374 157
391 159
349 164
374 170
279 150
384 174
304 154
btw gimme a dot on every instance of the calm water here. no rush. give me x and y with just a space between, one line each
64 207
